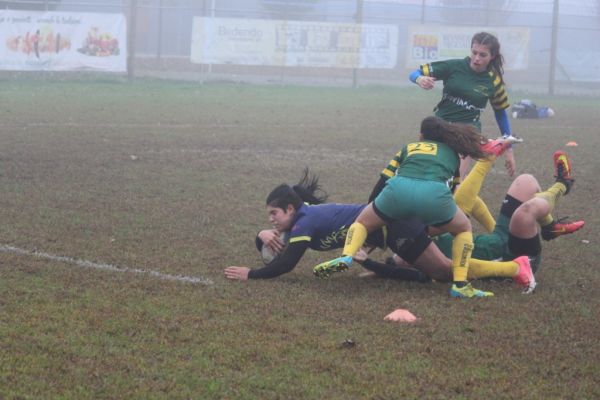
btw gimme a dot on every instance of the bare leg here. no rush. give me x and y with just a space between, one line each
524 187
435 264
523 222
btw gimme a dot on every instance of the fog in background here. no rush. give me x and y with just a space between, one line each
162 33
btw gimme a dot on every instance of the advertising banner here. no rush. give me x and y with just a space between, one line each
428 43
61 41
293 43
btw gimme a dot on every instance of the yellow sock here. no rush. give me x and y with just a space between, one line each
551 195
486 269
357 234
468 191
547 220
462 247
481 213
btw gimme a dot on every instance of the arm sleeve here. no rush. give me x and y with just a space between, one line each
414 75
387 173
285 262
395 272
258 243
499 99
502 120
378 188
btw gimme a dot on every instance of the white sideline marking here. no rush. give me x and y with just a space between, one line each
107 267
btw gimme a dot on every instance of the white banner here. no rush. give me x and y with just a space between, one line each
293 43
428 43
61 41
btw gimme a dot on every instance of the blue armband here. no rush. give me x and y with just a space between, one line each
414 75
503 124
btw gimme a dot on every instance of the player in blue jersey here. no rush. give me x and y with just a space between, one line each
323 226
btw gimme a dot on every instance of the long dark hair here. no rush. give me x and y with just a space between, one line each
305 191
492 43
462 138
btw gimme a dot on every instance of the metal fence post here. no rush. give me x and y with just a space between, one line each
131 33
553 48
159 33
359 18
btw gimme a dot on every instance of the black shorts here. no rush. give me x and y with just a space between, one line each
408 238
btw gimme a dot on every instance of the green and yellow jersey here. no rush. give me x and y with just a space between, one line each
466 92
428 160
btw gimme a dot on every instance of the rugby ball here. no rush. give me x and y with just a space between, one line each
269 255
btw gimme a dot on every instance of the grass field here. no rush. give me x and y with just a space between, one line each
171 178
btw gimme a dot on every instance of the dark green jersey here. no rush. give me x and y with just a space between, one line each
466 92
427 160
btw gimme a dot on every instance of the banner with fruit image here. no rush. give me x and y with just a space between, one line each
61 41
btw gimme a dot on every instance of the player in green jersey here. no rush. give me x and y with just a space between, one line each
302 220
469 84
420 189
524 210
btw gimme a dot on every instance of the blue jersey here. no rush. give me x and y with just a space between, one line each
324 226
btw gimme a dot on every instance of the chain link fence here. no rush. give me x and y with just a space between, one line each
563 48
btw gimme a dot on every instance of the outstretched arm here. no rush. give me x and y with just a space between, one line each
390 271
282 264
504 126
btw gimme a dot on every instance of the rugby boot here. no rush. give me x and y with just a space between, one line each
524 276
325 269
467 292
563 170
557 229
498 146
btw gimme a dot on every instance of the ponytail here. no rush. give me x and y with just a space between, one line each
462 138
305 191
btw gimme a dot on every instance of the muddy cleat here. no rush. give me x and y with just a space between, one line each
325 269
497 147
524 276
467 292
557 229
563 170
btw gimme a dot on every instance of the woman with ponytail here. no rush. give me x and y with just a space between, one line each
420 188
469 83
300 211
